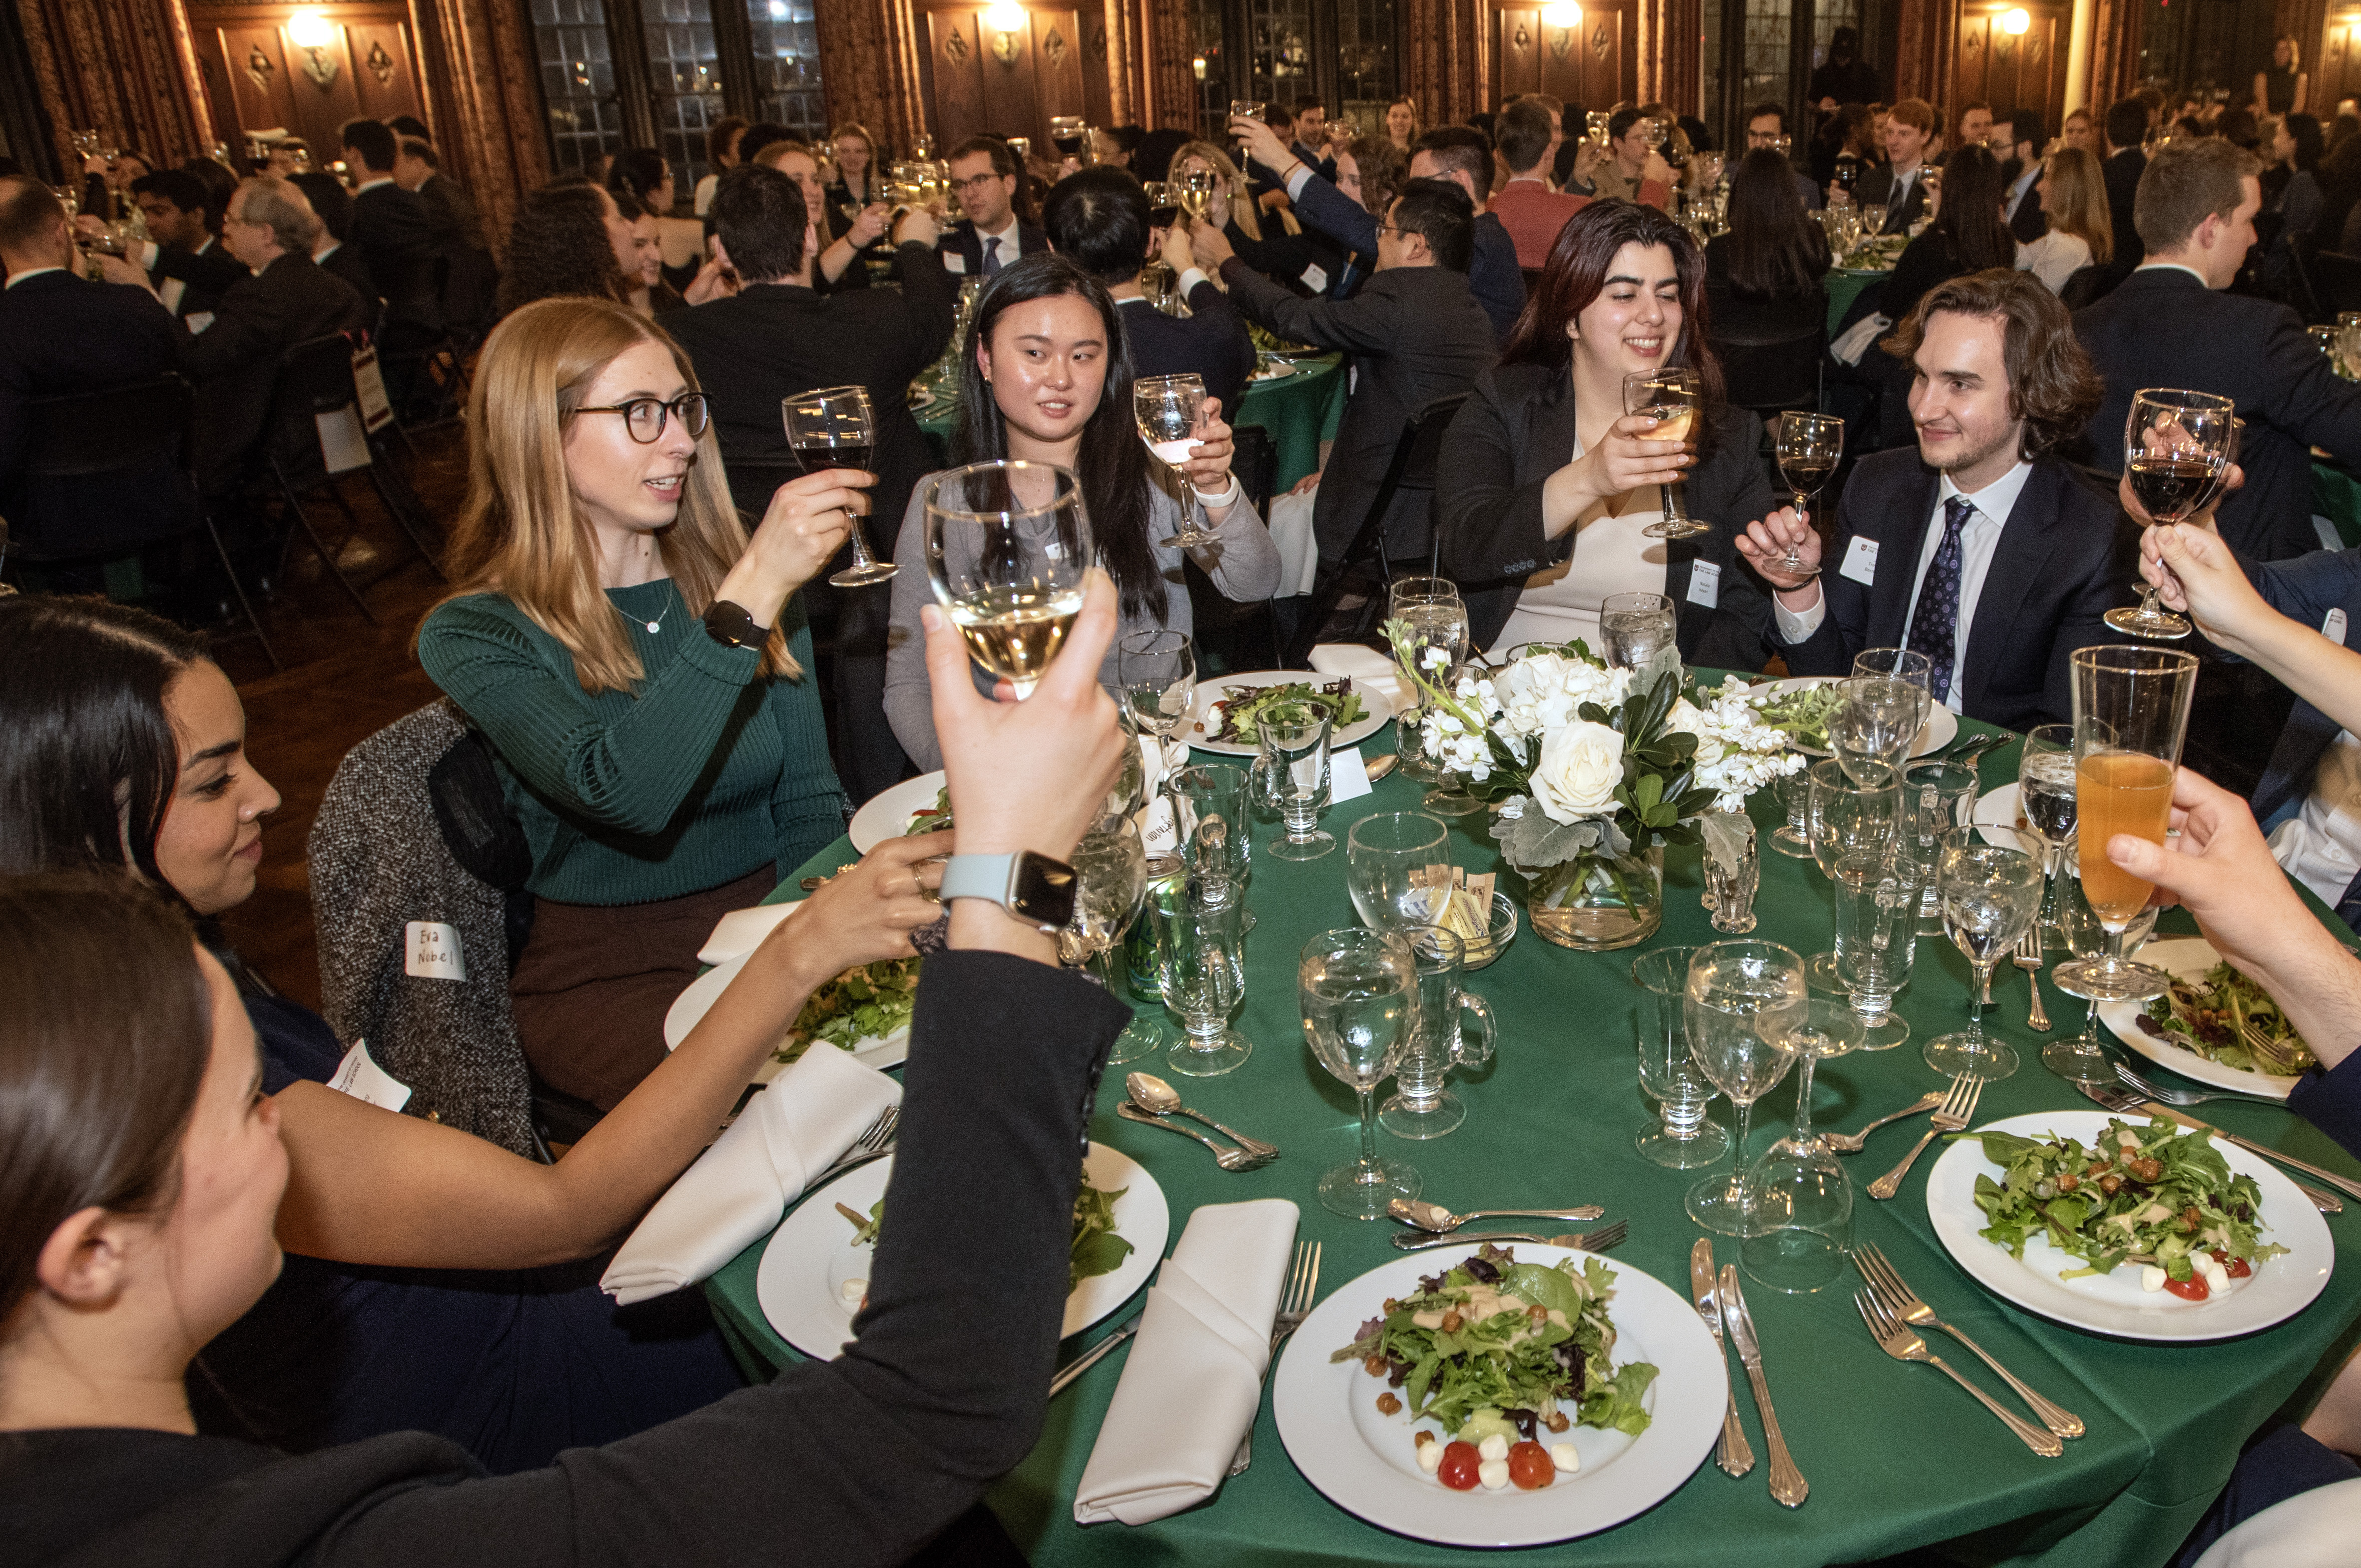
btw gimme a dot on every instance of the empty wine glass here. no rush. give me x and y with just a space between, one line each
2083 1059
1171 413
832 428
1421 1108
1387 858
1295 766
1810 446
1847 812
1798 1200
1158 672
2045 794
1007 543
1634 628
1734 1003
1680 1137
2178 445
2131 714
1874 730
1358 992
1670 398
1990 893
1110 880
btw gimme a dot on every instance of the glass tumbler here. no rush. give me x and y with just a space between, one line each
1681 1136
1877 934
1200 967
1942 795
1794 840
1421 1107
1214 792
1733 869
1295 766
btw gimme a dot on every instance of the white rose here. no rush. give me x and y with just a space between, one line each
1580 765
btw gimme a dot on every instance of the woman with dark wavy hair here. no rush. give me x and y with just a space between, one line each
1545 484
1045 378
1765 277
563 242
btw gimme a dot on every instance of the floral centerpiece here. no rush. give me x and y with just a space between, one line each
1593 771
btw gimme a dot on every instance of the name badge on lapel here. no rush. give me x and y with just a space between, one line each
432 950
1704 584
953 262
1860 561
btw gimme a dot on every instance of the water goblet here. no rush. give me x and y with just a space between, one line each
1732 1003
2045 793
1358 992
1634 628
1990 893
1421 1107
1940 796
1680 1137
1849 809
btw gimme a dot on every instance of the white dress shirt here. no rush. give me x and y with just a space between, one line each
16 277
1007 238
1978 540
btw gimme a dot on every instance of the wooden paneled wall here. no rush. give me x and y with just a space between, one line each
1593 63
2014 71
258 78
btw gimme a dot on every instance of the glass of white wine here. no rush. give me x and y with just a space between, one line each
1194 188
1007 543
1669 397
1171 413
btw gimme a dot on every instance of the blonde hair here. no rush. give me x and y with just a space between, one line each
521 533
1242 208
2076 199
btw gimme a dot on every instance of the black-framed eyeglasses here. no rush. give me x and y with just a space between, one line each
644 417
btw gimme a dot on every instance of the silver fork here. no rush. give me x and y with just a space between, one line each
2126 1103
2028 958
2185 1097
1954 1113
1227 1158
1850 1142
874 1143
2262 1045
1893 1293
1901 1343
1294 1306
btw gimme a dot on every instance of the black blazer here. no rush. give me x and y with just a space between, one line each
774 339
2065 557
960 240
344 262
205 275
1415 333
392 229
1493 276
2122 173
1875 189
451 220
2251 351
1211 341
1515 430
2028 221
60 335
234 362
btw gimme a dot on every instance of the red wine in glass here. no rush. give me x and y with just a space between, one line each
833 427
2170 487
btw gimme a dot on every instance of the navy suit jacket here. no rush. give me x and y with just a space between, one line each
1211 341
2065 557
205 276
234 362
2163 327
1493 276
1875 189
392 229
960 240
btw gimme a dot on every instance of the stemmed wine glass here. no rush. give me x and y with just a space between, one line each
922 147
1007 543
1358 989
1171 413
2177 446
1193 190
1068 133
2045 793
1798 1200
1158 672
1990 893
2083 1059
832 428
1738 995
1810 446
1387 858
1874 731
2131 714
1670 398
1845 813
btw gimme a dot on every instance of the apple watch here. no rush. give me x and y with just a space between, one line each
730 625
1034 888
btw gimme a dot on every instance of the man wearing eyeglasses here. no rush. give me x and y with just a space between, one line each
984 176
1766 126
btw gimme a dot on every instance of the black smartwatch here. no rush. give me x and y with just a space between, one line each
1034 888
729 625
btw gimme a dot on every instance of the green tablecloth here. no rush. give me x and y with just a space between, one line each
1844 288
1300 410
2337 496
1896 1456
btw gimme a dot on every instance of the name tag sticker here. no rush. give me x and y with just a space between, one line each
1704 584
1348 775
430 952
954 262
1860 561
1315 278
2332 626
359 1076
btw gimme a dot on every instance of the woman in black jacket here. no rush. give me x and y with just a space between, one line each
1765 280
1545 484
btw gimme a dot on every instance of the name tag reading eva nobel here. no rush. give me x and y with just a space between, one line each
432 951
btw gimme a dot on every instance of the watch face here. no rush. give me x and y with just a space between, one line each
1044 893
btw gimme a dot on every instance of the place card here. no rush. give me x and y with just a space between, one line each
1349 776
359 1076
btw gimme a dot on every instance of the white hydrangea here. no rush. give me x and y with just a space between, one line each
1543 692
1737 752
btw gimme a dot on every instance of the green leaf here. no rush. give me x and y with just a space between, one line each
1543 1287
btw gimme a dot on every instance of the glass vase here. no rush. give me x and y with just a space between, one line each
1607 903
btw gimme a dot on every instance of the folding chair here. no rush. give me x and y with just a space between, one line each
1410 471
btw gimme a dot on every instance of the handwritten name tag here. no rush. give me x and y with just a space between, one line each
1860 561
430 952
1704 584
359 1076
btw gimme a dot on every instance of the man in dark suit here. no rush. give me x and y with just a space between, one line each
1899 184
984 174
1979 549
2171 323
390 225
2020 204
2127 129
59 336
451 221
1766 125
1099 219
776 338
235 361
184 259
1310 143
1415 331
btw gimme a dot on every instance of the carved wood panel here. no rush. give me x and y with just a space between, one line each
1009 83
1592 64
2014 71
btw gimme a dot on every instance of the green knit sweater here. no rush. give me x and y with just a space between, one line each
705 773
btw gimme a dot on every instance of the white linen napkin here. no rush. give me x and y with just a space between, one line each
1299 550
738 1189
741 931
1370 670
1194 1381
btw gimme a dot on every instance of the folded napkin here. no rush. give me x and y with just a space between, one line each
1370 670
1194 1381
1299 550
738 1189
741 931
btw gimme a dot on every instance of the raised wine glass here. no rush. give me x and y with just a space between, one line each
1358 991
1006 544
1158 672
1810 446
922 147
1740 994
2176 448
1194 188
1171 413
1990 893
2131 714
1671 398
832 428
1068 133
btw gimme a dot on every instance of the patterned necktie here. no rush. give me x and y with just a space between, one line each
991 256
1935 628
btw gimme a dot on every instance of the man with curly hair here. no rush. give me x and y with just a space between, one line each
2002 562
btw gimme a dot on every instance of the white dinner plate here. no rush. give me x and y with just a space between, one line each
802 1278
1366 1463
887 815
2115 1303
2188 957
1943 726
1379 707
879 1052
2000 808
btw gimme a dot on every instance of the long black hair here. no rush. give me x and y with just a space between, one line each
1774 247
1971 214
1112 461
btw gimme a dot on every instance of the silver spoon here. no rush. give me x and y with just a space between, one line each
1436 1218
1228 1159
1153 1095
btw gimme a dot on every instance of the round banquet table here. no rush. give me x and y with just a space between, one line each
1845 286
1300 410
1897 1457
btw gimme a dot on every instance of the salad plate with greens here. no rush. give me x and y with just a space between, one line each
865 1009
1508 1396
2194 1027
1801 706
2123 1227
1222 717
910 806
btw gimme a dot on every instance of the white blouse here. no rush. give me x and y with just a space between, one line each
1611 555
2054 258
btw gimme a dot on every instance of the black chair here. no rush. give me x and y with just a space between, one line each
139 436
2303 265
1770 378
2337 279
2084 287
1410 471
1231 636
424 370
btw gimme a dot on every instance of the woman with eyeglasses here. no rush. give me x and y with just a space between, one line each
641 666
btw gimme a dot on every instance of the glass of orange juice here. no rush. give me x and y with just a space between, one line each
2131 714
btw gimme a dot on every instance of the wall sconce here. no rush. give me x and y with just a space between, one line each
1198 65
313 33
1562 14
2015 20
1003 20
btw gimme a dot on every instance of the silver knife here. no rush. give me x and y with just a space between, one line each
2341 1184
1732 1453
1414 1241
1090 1357
1787 1486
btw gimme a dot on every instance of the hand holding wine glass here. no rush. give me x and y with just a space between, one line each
2178 448
1768 542
833 427
1171 412
1671 398
1810 446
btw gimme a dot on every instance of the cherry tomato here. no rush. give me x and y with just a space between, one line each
2236 1268
1529 1466
1457 1470
2192 1288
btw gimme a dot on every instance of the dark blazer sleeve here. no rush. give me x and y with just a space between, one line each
2301 395
244 328
1367 323
932 304
1844 620
1728 489
1338 215
2306 587
1488 489
1221 322
2331 1101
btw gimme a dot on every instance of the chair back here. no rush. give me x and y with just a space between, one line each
104 432
2083 287
121 452
1772 377
2303 265
1411 470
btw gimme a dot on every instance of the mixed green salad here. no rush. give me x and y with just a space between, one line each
867 1002
1237 717
2159 1196
2208 1017
1803 713
1096 1249
931 818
